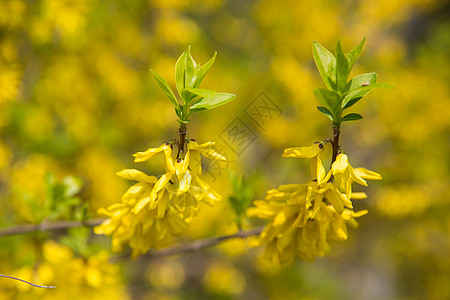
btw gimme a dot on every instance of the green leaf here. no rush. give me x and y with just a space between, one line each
177 112
326 112
188 96
357 81
72 186
375 85
180 70
352 117
352 88
190 77
351 102
354 54
49 186
329 99
193 110
166 89
342 67
76 239
211 99
242 190
326 63
363 90
200 71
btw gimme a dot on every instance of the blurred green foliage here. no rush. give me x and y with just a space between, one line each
241 195
77 98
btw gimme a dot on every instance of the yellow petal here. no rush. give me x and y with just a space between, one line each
334 200
132 174
359 195
367 174
318 170
355 176
291 187
195 162
181 166
177 226
344 200
143 201
203 185
212 154
147 224
279 219
304 152
195 146
143 156
134 192
206 150
340 165
169 160
360 213
162 204
184 183
159 185
162 182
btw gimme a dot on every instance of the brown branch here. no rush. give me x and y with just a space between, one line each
47 226
204 243
194 245
182 132
336 133
183 248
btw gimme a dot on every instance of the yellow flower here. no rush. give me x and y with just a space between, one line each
305 219
182 173
302 223
196 150
149 153
314 152
9 82
141 226
154 210
72 275
344 175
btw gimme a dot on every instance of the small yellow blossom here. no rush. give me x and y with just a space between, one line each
314 152
74 277
206 150
344 175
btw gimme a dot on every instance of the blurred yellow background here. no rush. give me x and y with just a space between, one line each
77 98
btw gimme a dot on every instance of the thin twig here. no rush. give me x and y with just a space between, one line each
183 248
195 245
47 226
204 243
32 284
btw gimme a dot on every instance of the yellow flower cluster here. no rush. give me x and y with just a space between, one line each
74 277
307 218
154 210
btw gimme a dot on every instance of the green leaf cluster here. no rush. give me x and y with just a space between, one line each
341 93
78 240
62 200
188 76
242 189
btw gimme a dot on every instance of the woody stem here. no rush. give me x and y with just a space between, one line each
182 132
336 132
